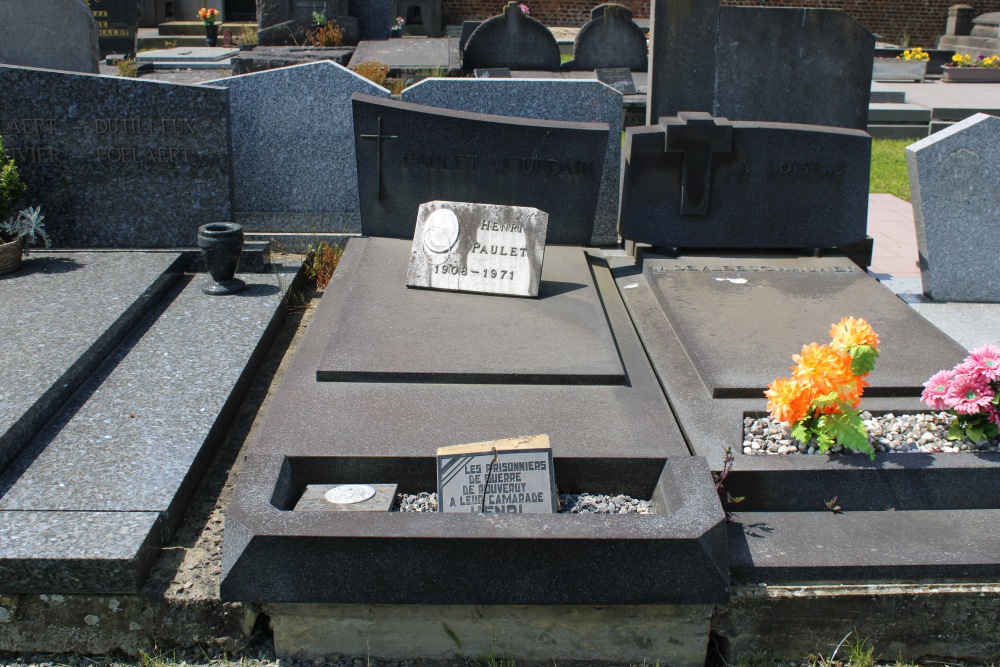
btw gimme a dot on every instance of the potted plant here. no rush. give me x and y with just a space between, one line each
911 65
966 69
319 19
16 233
208 17
248 40
396 29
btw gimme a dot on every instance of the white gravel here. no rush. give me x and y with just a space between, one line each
903 434
569 503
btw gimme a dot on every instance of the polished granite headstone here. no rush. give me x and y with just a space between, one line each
54 34
294 166
512 40
609 39
611 433
684 37
117 25
116 162
479 248
543 99
955 181
695 181
409 154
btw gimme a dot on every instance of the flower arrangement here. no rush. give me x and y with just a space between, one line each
319 17
399 23
524 9
820 400
971 393
916 53
208 15
991 62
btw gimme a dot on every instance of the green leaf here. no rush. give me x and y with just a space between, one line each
801 432
996 399
863 359
824 401
849 430
956 431
975 433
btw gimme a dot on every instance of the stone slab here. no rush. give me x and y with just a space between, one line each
898 113
40 552
42 360
388 333
436 53
51 34
97 145
955 185
581 101
809 66
553 166
313 499
188 54
603 437
479 248
279 147
512 39
740 361
886 97
972 325
619 78
751 185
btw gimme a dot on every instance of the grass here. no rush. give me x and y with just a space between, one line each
889 168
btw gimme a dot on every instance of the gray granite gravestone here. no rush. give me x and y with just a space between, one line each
118 162
809 66
955 181
701 182
374 18
53 34
117 25
512 40
409 154
544 99
294 166
609 39
481 248
682 53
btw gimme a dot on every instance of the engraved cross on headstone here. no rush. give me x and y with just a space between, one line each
698 135
378 137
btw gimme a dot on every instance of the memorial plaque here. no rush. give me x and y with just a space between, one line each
347 498
511 476
493 73
117 25
478 248
619 78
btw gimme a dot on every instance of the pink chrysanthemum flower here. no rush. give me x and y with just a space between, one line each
968 395
936 390
984 362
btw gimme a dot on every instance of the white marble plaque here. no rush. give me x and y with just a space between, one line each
482 248
512 476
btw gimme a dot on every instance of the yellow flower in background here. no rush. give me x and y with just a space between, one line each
915 53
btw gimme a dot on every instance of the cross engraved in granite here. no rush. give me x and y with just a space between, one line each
698 135
378 137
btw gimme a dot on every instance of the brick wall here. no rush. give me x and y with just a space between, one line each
922 20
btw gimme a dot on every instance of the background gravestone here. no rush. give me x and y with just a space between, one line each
285 22
544 99
955 181
294 166
609 39
682 46
117 24
53 34
811 66
118 162
409 154
374 18
511 40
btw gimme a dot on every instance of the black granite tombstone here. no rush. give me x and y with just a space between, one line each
117 25
512 40
409 154
695 181
609 39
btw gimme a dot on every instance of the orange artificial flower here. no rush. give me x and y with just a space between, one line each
852 332
826 369
788 399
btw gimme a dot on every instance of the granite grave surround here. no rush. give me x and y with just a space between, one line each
698 181
615 435
809 66
293 161
102 485
51 34
904 516
409 154
955 181
543 99
512 39
122 163
412 57
49 349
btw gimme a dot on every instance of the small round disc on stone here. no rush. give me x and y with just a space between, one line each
440 231
348 494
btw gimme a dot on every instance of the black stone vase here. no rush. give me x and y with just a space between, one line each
212 34
221 244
